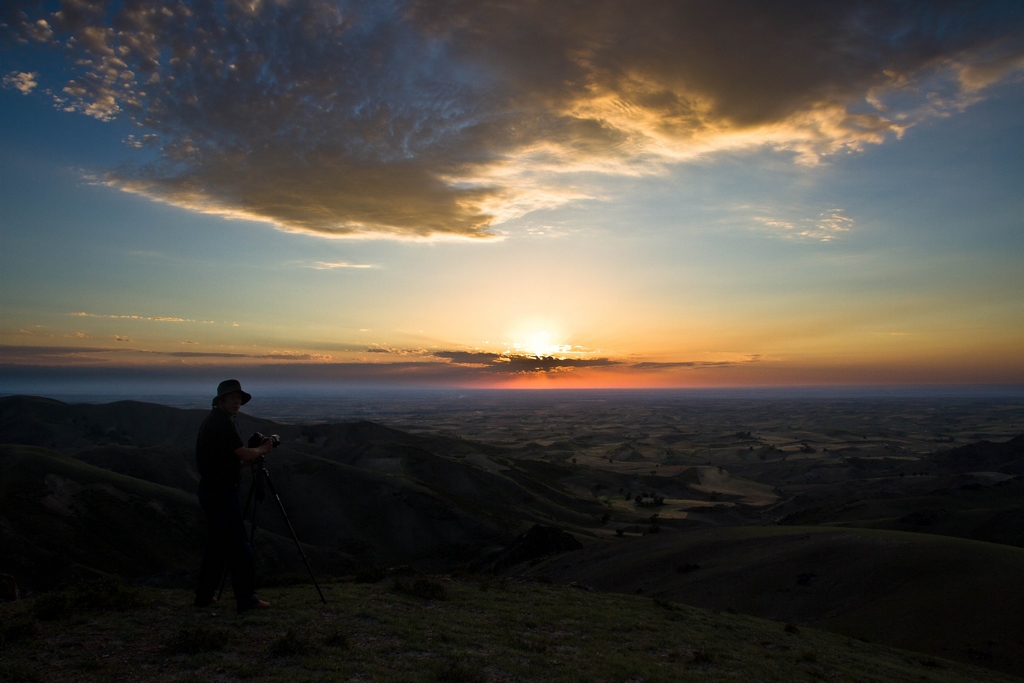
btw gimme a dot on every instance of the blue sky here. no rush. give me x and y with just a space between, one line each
405 193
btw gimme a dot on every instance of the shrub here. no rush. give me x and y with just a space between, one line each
703 656
486 583
90 662
458 670
49 606
108 593
665 604
16 672
421 587
531 643
18 627
806 579
291 644
104 593
370 575
336 639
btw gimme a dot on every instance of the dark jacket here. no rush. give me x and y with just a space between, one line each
219 467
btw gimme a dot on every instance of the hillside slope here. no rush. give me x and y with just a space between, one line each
62 519
429 629
944 596
379 495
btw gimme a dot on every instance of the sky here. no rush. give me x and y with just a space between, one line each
522 194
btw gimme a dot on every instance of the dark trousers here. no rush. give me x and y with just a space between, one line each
227 545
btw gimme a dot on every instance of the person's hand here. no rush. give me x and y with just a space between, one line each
266 446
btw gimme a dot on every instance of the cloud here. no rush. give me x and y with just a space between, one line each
824 227
330 265
483 364
22 355
55 355
480 358
51 335
275 355
444 118
21 81
502 363
519 363
308 368
153 318
377 348
678 365
9 351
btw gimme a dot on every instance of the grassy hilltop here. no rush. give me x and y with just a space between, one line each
419 628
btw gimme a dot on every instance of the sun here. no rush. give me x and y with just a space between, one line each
539 344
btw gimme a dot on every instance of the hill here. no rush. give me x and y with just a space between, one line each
813 536
433 628
56 425
944 596
974 491
356 492
66 520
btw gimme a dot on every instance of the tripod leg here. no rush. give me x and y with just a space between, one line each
280 506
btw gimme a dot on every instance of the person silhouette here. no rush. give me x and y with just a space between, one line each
220 454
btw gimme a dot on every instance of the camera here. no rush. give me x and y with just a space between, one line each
256 439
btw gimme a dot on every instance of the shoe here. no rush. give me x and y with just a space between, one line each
255 604
205 603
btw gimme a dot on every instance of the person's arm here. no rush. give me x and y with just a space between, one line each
248 455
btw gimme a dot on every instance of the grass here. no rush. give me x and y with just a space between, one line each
104 592
950 597
372 632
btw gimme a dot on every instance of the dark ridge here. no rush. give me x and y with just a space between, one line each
1007 456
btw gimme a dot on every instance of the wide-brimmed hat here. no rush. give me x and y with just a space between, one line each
230 386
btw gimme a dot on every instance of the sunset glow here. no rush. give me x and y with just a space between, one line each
513 195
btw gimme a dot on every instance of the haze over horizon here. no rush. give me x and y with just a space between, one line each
512 195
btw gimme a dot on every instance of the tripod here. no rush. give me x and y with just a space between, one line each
257 494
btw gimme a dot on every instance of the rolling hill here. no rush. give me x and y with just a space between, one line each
828 539
948 597
356 493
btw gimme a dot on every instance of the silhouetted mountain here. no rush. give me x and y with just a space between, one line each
365 490
63 518
61 514
70 427
1007 456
